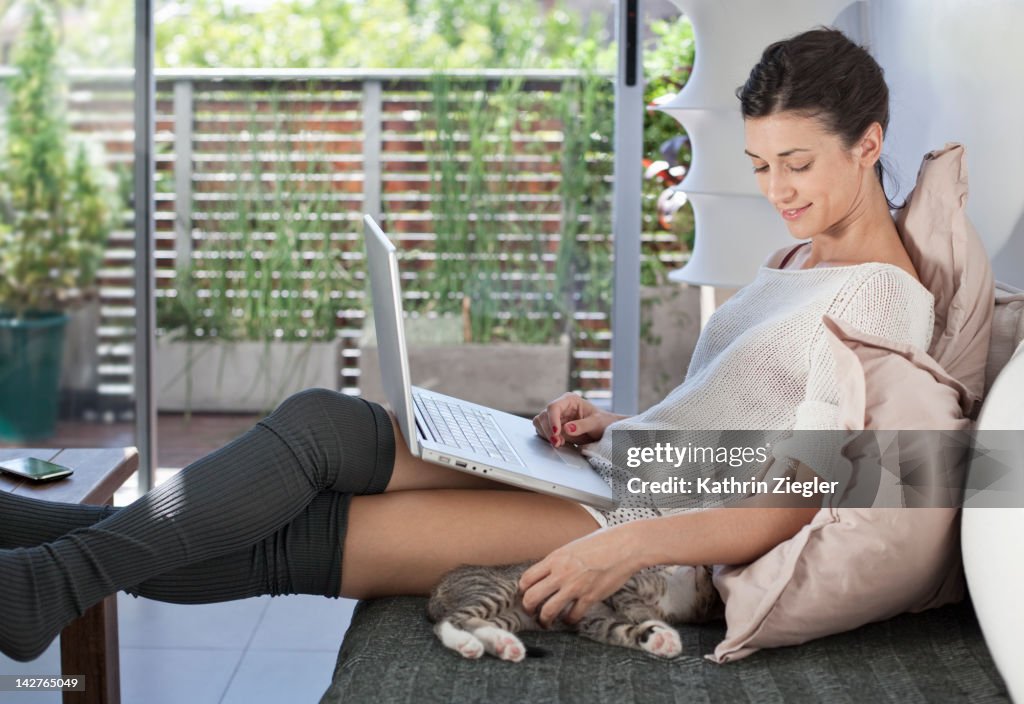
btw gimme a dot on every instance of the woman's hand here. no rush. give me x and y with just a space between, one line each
570 417
580 574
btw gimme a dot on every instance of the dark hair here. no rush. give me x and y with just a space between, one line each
822 74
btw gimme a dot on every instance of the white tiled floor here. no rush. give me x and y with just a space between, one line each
279 649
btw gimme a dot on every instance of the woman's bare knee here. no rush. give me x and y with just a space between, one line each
402 542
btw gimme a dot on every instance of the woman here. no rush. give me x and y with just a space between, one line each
323 497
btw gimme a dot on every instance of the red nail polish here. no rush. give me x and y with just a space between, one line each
571 427
554 428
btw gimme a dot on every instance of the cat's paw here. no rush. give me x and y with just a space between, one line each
463 642
660 639
501 644
510 648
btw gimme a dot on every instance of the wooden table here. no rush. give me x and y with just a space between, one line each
88 646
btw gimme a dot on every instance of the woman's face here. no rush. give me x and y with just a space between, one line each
804 172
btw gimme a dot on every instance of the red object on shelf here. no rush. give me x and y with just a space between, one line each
670 200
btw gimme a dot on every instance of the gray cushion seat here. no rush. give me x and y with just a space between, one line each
390 654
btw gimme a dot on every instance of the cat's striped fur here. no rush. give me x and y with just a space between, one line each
478 609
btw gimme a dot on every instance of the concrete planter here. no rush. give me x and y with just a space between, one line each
670 326
240 377
522 379
517 378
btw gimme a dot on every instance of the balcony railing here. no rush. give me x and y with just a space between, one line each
367 141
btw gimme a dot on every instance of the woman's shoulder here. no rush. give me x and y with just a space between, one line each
885 300
887 274
890 280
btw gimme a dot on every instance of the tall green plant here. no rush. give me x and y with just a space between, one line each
483 249
586 111
55 207
271 270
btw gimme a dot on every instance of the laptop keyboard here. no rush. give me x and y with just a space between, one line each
465 428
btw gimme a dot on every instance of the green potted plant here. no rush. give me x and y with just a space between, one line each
55 216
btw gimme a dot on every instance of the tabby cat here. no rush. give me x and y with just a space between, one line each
478 609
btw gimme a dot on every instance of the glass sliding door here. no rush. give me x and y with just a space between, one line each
481 140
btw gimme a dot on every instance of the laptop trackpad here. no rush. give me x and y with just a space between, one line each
537 453
572 457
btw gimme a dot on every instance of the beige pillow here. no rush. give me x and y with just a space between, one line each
852 566
952 263
1007 330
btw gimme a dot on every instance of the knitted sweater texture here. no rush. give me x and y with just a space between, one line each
763 361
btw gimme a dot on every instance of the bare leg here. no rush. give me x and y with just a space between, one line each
433 518
402 542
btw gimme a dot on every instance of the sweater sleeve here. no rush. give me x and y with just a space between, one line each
887 303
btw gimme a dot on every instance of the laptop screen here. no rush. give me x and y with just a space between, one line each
386 294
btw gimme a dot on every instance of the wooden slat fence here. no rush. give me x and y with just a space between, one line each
527 192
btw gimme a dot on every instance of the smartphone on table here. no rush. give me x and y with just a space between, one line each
35 469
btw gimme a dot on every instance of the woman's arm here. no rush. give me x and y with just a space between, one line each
592 568
725 536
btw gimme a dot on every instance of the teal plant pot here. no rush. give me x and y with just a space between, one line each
31 351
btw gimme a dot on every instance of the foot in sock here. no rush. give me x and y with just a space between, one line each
26 521
40 594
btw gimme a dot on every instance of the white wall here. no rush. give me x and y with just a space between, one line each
955 70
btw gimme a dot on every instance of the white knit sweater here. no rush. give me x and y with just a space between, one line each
763 362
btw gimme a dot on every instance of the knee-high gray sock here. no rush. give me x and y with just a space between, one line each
303 557
26 521
316 440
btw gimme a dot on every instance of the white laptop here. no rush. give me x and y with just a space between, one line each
460 434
